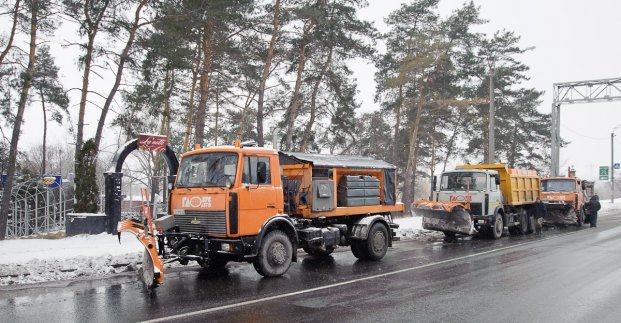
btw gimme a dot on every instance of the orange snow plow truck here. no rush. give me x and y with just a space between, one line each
250 204
565 199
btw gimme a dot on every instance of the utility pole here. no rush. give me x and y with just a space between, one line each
612 166
492 115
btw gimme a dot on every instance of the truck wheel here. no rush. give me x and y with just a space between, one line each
580 219
377 242
532 224
275 255
357 248
523 222
319 252
498 226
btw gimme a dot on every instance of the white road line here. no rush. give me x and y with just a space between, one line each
310 290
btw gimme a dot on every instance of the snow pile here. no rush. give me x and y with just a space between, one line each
609 208
411 228
25 261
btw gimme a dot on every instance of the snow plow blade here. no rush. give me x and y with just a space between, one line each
152 273
447 217
559 214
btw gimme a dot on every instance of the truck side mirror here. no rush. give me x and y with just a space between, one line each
497 178
433 184
261 172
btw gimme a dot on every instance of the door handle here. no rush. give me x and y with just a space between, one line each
272 205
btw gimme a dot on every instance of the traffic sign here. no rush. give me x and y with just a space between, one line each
617 166
603 173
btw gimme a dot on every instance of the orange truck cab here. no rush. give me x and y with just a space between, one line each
246 203
564 199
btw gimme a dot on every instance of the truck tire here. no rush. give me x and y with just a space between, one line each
376 245
275 255
523 222
357 248
497 227
532 224
580 219
319 252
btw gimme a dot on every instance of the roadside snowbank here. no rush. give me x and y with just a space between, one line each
608 207
411 228
26 261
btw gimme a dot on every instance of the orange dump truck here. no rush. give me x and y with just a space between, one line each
257 205
481 198
564 198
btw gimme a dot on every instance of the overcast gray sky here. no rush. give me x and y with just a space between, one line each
575 40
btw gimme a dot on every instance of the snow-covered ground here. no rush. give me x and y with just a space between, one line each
411 228
27 261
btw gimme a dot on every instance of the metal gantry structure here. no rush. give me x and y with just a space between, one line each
605 90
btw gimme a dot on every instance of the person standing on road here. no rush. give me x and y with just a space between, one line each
593 207
539 212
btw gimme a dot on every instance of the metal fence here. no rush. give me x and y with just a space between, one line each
37 207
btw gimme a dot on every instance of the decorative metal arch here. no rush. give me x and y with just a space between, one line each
114 181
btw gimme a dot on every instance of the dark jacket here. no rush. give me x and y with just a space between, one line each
594 205
539 210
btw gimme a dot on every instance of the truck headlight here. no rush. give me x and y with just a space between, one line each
226 247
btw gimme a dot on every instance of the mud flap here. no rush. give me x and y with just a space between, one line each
152 272
445 216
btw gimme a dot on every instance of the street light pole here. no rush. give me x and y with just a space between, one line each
491 144
492 116
612 166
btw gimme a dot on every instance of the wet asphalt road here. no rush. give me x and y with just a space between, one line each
568 275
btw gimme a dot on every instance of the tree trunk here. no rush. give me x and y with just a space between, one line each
199 129
93 29
9 44
19 116
189 115
216 134
395 143
44 149
296 100
266 74
313 107
449 146
119 72
410 171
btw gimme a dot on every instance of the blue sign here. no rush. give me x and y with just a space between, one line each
3 179
617 166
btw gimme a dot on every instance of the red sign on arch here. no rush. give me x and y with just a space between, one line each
152 142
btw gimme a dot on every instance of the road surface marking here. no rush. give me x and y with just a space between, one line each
310 290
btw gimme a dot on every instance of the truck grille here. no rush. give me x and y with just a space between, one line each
476 208
202 222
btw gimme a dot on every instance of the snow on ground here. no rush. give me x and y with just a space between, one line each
411 228
25 261
608 208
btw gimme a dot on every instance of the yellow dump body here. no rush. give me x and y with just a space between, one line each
518 186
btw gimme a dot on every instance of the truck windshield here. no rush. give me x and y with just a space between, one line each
464 180
558 185
208 170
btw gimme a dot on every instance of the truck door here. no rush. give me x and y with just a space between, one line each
257 198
